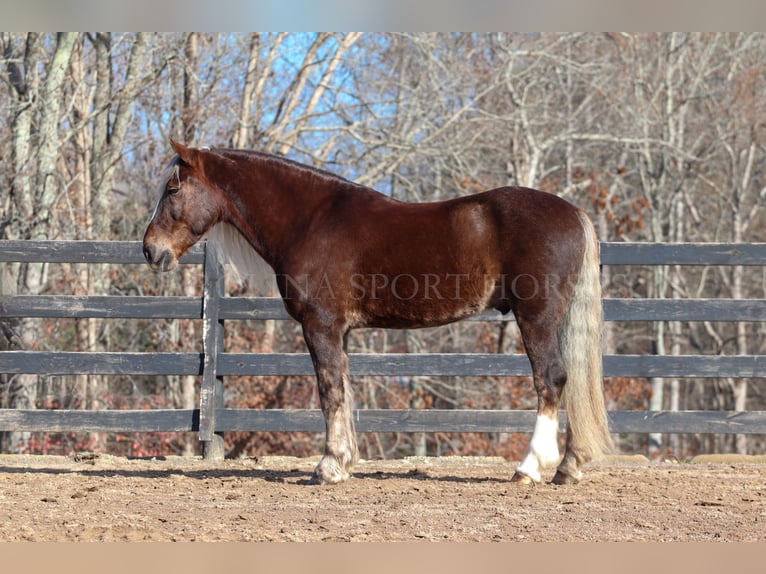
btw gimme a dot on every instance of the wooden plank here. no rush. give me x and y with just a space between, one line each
239 308
685 309
615 253
272 420
438 364
372 420
69 363
685 366
123 252
261 308
435 420
612 253
107 307
211 391
256 308
479 364
704 422
99 421
379 420
394 364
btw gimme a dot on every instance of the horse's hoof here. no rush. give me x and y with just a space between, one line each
519 478
320 476
318 480
563 478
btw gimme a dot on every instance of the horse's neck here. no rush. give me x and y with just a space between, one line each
272 202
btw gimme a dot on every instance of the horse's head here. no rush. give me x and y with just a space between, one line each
189 205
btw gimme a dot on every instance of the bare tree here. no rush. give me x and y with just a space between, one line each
35 111
735 181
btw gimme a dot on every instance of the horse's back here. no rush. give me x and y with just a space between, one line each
424 264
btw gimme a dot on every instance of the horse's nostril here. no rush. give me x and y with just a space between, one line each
148 253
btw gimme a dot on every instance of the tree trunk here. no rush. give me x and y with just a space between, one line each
186 329
244 129
35 117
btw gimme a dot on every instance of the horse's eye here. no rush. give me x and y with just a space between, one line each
173 189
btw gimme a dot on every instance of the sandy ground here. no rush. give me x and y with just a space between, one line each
100 497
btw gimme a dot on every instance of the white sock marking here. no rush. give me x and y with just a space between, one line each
543 448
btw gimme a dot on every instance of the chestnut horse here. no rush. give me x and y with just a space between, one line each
346 256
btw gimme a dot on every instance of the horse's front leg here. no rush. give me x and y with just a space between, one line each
328 354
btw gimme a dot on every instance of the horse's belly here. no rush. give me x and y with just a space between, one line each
421 300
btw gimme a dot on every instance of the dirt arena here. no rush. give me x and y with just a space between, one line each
93 498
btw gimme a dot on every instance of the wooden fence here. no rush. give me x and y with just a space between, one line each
212 419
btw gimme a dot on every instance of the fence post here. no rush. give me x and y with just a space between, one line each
211 393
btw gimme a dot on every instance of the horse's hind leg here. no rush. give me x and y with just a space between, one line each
330 360
568 472
549 377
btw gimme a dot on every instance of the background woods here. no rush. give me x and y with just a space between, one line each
660 137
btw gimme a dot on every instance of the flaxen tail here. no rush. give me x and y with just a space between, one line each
580 340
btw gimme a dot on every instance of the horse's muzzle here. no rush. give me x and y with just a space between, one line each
162 260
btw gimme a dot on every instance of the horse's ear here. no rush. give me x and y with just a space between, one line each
188 155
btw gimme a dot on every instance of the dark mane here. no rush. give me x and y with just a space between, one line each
287 163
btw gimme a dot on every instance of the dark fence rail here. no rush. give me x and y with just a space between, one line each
212 364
